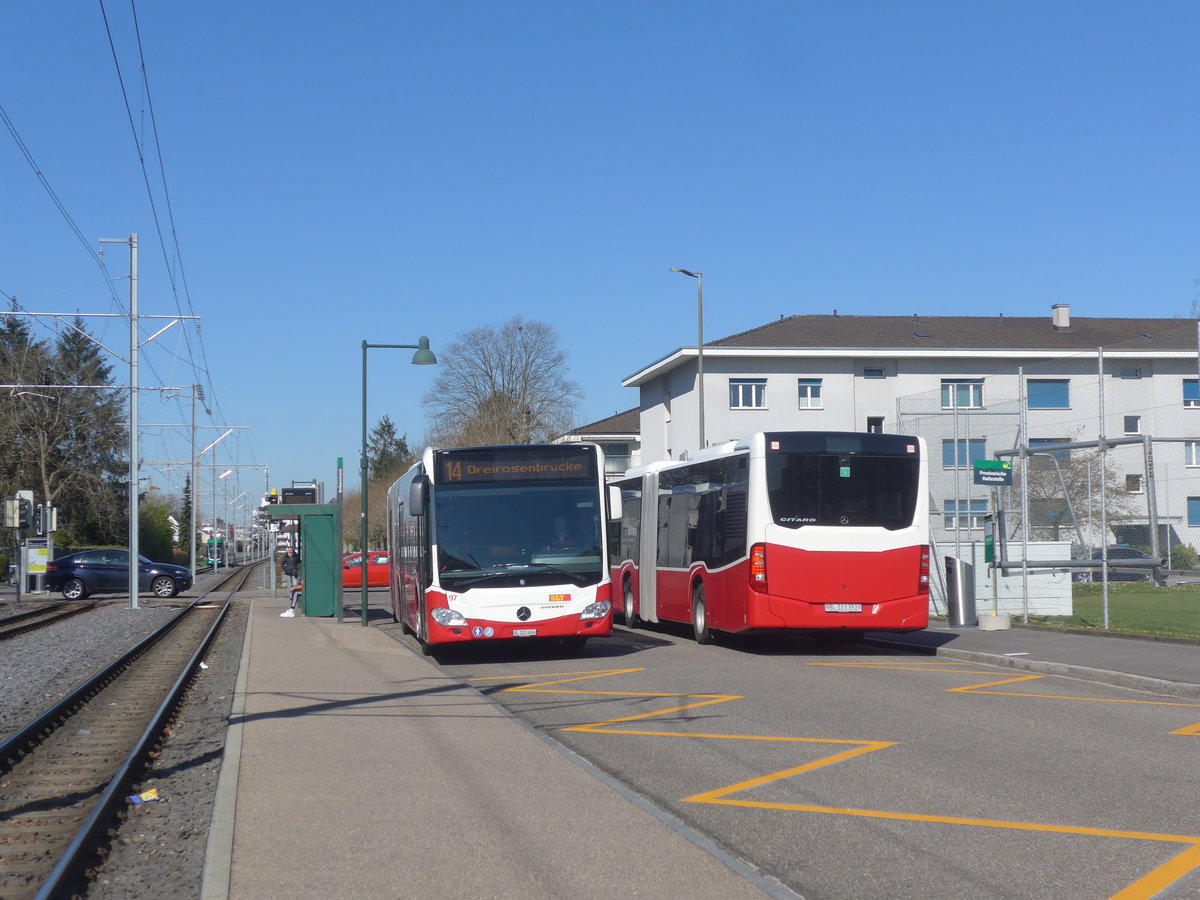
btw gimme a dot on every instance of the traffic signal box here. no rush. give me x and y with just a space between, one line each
13 513
24 515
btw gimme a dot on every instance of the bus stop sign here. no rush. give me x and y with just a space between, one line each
993 472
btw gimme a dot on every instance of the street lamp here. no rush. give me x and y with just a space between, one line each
699 276
423 357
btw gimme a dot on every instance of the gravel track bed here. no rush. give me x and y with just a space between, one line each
158 850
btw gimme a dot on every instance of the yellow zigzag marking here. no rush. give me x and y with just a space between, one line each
1144 888
1191 730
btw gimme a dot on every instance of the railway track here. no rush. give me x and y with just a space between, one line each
22 623
65 775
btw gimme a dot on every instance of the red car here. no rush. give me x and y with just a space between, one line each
377 570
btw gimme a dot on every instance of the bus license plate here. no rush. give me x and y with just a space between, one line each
524 632
843 607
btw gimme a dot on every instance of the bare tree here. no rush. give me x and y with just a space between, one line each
502 386
1049 514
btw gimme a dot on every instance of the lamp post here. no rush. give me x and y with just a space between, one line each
699 276
423 357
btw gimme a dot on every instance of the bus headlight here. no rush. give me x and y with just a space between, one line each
447 617
597 610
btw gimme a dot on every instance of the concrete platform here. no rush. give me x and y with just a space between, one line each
355 768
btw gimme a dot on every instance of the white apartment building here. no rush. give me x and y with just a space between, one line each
975 388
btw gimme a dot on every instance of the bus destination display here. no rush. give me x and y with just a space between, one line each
513 464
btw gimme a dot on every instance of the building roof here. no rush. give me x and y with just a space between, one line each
966 333
944 336
623 423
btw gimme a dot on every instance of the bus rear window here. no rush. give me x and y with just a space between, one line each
855 491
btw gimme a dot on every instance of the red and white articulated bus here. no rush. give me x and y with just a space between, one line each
822 532
502 542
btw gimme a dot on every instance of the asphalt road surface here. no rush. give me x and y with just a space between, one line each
873 773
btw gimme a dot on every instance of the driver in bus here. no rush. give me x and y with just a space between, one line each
561 538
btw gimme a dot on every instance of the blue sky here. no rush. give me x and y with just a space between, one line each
390 170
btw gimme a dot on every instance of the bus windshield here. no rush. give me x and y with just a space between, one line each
854 490
517 533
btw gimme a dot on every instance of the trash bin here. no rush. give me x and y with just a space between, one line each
960 593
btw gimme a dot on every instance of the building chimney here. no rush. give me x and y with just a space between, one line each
1061 313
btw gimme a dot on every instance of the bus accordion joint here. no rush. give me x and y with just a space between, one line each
758 567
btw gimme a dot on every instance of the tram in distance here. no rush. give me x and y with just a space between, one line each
823 532
502 542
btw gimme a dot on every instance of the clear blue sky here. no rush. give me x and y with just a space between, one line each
389 170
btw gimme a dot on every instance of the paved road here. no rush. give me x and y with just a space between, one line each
897 774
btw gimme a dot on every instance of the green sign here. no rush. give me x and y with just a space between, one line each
989 540
993 472
1002 464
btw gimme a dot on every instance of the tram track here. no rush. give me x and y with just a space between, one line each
65 775
23 623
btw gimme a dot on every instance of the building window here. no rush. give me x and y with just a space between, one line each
970 514
810 393
1131 372
1194 511
1133 424
1060 455
747 393
1133 484
616 458
875 424
1191 392
962 393
1049 393
873 373
1191 453
968 452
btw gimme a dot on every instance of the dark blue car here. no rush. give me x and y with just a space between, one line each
1117 555
107 571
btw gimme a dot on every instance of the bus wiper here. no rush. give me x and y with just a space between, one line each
462 582
576 578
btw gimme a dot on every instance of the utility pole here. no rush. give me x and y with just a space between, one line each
132 241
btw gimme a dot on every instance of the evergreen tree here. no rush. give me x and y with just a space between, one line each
185 514
15 340
91 442
386 453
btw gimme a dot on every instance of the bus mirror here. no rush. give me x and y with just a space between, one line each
614 503
416 496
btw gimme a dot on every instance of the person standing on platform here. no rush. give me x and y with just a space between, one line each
291 567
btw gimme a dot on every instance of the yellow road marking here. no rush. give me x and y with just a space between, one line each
1191 730
1144 888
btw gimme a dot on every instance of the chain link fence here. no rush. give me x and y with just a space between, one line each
1105 460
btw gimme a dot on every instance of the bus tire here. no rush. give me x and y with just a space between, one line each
703 633
574 643
631 617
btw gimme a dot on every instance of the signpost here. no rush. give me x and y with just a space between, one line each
1002 469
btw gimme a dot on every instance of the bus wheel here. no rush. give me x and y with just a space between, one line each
631 618
574 643
704 634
